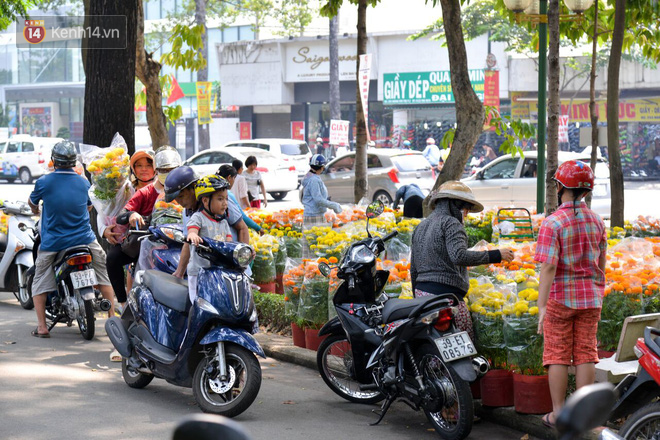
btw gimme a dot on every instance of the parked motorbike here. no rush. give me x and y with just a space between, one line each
639 392
207 345
16 252
398 349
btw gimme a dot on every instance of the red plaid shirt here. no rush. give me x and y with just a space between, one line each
574 244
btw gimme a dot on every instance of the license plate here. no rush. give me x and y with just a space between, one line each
455 346
83 278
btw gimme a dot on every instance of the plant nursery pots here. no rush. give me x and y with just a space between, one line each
497 388
312 338
267 288
298 335
475 387
340 349
279 284
531 394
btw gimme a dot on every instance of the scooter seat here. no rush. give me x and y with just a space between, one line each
63 255
167 289
395 309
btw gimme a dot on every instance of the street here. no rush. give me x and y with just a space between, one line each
637 197
65 387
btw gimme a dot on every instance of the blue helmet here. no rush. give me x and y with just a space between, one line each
318 160
406 143
177 180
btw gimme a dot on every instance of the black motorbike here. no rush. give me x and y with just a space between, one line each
398 349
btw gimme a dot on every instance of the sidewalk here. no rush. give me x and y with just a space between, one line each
282 348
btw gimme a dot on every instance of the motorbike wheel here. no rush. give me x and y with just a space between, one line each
25 293
643 424
454 420
86 318
334 360
231 397
134 379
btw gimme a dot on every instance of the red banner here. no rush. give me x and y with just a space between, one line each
298 130
491 92
245 129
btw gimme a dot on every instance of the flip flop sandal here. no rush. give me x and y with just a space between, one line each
546 421
36 334
115 356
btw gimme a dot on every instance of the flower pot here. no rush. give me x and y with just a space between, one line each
267 288
279 284
475 387
312 338
298 335
604 354
497 388
531 394
340 349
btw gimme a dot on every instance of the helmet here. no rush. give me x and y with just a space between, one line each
456 190
406 143
430 141
64 154
207 185
318 160
319 139
575 174
177 180
148 154
167 158
371 144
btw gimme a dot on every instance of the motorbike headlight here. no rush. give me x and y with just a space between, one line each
243 255
362 254
174 234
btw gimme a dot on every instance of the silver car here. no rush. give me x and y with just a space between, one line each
511 182
387 171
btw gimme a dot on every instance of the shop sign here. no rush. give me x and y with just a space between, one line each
37 121
426 87
633 110
311 61
339 132
491 94
563 128
203 102
364 73
245 130
298 130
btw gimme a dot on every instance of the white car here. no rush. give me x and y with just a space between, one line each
293 151
279 176
25 157
511 182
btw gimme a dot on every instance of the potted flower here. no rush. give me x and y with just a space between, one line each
313 302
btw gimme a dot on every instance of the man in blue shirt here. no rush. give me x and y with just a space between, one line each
64 224
432 152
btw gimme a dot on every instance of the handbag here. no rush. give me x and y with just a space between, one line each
131 245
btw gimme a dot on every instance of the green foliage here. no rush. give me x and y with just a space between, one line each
63 132
186 48
294 16
10 9
270 309
331 8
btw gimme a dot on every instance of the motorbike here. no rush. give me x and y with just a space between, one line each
397 349
207 345
163 248
16 257
639 392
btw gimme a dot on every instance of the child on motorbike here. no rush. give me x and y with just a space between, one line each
64 224
210 222
571 248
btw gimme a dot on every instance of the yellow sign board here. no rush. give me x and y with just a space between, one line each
630 110
203 89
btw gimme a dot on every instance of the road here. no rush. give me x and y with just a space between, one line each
637 197
65 387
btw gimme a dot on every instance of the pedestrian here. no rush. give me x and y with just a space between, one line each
64 224
406 145
209 222
432 152
439 252
240 186
229 173
489 154
254 183
405 192
314 197
320 148
571 248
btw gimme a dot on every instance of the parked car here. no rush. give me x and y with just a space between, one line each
25 157
387 171
279 176
511 182
292 151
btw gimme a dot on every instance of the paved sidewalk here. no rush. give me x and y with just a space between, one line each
282 348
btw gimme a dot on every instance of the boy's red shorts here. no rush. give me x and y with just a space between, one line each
569 335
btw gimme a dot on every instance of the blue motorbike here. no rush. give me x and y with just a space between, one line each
207 345
160 248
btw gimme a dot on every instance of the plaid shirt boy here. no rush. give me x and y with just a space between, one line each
574 240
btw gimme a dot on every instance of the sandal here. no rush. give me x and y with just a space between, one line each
546 421
36 334
115 356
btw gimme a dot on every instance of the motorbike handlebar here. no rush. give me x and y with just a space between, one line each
391 235
351 283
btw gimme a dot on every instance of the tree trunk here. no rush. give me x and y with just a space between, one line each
592 101
469 110
335 110
553 107
361 183
616 173
147 70
110 80
203 72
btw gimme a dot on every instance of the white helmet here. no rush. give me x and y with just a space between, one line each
319 139
371 144
430 141
167 158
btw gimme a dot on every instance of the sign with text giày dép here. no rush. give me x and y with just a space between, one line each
426 87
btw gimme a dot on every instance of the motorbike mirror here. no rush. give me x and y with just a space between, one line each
375 209
325 269
22 227
586 409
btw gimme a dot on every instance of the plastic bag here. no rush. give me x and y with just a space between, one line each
314 295
264 262
166 213
294 275
280 256
109 167
396 250
294 245
524 346
146 259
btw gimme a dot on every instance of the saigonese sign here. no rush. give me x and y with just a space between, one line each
425 87
310 61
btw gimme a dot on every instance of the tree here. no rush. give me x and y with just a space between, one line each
203 72
335 109
10 9
294 16
552 139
